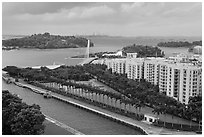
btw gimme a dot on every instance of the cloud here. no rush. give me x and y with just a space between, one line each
96 17
131 7
97 11
69 15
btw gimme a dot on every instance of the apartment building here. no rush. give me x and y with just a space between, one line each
175 79
135 68
152 69
117 65
182 81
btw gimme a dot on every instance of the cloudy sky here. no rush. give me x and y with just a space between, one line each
121 19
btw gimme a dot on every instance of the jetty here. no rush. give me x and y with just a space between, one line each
87 61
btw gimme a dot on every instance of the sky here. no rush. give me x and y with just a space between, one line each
104 18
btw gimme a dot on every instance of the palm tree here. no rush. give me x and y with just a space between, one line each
140 105
120 104
157 111
164 111
136 105
114 102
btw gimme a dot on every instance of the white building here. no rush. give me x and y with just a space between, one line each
134 68
182 81
118 53
131 55
150 118
117 65
151 69
175 79
197 50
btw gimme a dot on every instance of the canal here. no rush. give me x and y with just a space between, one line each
79 119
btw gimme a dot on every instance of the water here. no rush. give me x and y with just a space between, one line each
79 119
36 57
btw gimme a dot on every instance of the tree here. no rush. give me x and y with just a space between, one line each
157 110
19 118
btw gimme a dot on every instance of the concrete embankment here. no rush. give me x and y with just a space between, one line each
111 117
71 130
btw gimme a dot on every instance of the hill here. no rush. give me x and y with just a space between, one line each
47 41
144 51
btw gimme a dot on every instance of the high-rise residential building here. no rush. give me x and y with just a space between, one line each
181 80
117 65
175 78
135 68
152 69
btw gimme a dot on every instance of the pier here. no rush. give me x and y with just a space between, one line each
87 61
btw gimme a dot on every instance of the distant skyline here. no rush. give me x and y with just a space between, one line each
106 18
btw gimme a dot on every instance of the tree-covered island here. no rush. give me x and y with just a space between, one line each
175 44
46 41
141 50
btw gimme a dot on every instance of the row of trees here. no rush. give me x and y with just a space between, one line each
46 40
96 96
18 118
76 73
136 92
146 93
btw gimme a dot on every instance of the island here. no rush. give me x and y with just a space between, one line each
175 44
144 51
46 41
141 50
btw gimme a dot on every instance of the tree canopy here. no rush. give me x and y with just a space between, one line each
179 44
18 118
47 41
144 51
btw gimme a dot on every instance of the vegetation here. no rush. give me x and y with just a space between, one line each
144 51
98 54
47 41
180 44
19 118
140 93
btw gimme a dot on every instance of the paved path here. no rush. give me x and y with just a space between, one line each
149 128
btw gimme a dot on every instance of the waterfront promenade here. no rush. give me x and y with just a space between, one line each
148 128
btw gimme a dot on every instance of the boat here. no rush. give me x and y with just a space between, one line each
47 95
8 81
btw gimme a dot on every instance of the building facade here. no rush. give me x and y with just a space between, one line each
175 79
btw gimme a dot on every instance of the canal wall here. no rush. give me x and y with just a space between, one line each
108 116
71 130
111 117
